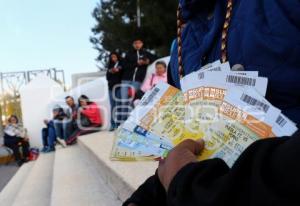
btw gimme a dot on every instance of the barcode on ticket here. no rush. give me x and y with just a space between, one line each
216 69
201 75
281 121
241 80
254 102
149 98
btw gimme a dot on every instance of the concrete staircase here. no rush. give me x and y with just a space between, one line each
80 175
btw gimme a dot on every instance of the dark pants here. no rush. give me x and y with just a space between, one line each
49 136
64 128
83 131
114 95
14 143
125 106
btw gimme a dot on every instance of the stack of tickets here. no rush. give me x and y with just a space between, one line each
226 108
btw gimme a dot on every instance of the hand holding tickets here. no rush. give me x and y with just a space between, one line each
225 108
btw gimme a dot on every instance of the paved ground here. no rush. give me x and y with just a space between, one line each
6 173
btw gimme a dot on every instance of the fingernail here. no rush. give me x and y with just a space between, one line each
201 141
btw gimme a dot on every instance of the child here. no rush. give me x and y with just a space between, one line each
159 75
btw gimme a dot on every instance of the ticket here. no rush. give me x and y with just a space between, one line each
162 112
224 80
138 146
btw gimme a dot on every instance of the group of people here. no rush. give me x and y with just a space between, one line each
126 80
66 125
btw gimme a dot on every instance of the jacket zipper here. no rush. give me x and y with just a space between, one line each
136 68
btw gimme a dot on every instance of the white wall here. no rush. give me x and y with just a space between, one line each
35 98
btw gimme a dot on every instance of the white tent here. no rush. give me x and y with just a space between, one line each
35 98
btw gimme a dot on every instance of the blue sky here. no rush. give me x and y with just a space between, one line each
38 34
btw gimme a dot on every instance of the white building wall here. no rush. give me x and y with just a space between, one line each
35 98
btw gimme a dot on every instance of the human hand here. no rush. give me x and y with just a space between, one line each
115 70
143 62
140 62
183 154
132 204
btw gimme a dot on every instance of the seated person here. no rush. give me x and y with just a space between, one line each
159 75
64 128
89 119
49 133
14 138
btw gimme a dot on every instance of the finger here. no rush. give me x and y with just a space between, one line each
193 146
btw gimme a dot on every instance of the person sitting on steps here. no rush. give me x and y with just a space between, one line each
14 138
89 119
49 136
64 128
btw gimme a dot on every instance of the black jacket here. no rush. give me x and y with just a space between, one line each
266 174
133 72
114 79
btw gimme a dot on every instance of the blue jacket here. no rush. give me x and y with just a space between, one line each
264 35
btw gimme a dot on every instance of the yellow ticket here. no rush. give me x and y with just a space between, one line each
162 112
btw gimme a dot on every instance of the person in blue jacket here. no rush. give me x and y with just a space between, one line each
261 35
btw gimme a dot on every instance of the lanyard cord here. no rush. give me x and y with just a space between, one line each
224 51
180 24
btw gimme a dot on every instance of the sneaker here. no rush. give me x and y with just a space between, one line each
69 143
44 149
61 142
50 150
20 163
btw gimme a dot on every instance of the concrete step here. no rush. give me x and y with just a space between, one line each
76 182
122 177
37 188
11 190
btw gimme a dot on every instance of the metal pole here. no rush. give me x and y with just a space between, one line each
55 75
1 124
138 14
1 99
64 79
2 84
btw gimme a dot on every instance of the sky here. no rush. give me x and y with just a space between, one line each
42 34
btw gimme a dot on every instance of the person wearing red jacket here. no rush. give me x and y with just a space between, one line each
89 119
90 110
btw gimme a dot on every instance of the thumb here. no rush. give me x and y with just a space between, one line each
193 146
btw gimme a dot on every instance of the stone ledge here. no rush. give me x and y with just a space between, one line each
122 177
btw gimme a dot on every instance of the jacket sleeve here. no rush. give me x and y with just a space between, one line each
146 85
267 173
129 62
90 111
150 193
151 57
